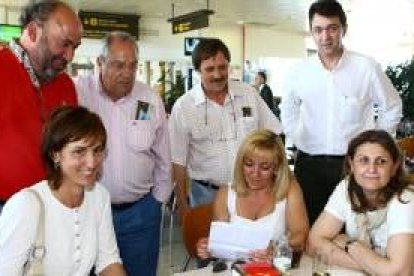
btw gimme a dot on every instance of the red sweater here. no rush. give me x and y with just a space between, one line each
21 122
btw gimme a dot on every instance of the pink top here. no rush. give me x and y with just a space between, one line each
138 159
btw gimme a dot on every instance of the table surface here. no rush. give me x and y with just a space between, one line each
304 269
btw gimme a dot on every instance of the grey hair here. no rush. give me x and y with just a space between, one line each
116 36
39 11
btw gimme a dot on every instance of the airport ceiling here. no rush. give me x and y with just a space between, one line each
280 14
290 15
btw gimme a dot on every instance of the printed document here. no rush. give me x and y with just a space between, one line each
236 240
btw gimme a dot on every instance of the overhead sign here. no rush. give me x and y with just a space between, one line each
190 21
98 24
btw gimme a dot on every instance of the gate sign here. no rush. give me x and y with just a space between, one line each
190 21
98 24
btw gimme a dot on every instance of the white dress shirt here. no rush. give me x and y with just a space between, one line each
322 110
138 159
205 135
75 238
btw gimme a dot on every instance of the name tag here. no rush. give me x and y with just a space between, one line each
247 111
144 111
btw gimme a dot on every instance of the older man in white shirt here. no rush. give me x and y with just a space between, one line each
330 98
137 168
208 123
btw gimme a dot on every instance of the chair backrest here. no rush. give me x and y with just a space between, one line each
407 146
196 225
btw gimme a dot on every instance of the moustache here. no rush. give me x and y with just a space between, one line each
60 62
219 80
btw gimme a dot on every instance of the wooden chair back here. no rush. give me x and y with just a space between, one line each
407 146
196 225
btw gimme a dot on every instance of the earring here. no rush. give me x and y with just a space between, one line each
56 164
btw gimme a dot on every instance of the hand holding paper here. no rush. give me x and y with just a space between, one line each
236 240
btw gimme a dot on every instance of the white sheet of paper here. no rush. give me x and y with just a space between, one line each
236 240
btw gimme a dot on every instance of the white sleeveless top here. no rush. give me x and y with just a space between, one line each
275 220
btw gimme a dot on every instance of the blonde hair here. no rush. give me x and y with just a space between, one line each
266 141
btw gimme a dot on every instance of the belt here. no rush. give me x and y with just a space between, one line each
122 206
207 184
321 156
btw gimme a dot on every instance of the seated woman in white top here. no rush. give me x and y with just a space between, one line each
78 223
264 192
375 202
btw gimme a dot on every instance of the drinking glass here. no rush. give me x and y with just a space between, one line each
321 265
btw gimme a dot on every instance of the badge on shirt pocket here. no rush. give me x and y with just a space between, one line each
144 111
247 111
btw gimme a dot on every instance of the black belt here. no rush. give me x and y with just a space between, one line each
321 156
207 184
122 206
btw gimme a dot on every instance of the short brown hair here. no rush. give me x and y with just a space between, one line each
327 8
68 124
207 48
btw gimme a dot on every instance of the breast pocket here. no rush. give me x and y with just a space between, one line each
206 133
352 109
140 135
247 125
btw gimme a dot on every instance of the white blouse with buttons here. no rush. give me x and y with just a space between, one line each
76 238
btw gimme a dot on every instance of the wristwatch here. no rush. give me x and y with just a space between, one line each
348 243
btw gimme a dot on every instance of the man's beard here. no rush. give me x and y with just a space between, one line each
49 73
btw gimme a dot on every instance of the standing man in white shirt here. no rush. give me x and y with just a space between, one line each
208 123
330 98
137 167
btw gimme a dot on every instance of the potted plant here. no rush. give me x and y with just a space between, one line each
177 89
402 77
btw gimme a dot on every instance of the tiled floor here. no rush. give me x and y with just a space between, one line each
172 260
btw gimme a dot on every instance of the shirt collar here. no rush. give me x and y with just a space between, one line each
261 87
199 97
102 92
341 60
23 57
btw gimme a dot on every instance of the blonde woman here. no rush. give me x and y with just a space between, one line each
264 193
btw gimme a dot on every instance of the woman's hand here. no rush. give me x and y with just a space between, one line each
202 249
263 255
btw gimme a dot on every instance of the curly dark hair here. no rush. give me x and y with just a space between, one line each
397 184
39 11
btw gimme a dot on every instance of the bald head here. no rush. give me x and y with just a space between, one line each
51 33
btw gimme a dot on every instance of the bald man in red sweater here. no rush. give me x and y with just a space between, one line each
32 85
